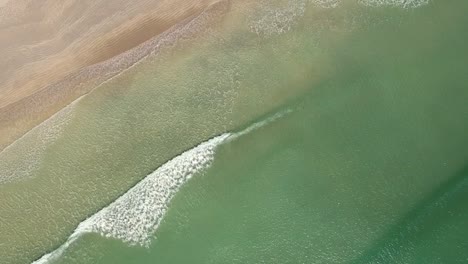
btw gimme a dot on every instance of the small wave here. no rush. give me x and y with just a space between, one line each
326 3
272 20
260 124
395 3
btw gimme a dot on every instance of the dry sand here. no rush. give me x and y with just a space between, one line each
53 51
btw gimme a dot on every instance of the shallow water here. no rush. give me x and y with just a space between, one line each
368 165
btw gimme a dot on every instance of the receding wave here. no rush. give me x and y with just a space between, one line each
20 159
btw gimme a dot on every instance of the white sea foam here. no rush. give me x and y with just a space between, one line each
20 159
260 124
274 20
50 257
135 216
326 3
375 3
395 3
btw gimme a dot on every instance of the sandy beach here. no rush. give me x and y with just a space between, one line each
56 51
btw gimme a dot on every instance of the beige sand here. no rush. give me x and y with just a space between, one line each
53 51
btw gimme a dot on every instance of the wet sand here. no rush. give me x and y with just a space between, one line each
56 51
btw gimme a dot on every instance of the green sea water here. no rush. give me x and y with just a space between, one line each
368 165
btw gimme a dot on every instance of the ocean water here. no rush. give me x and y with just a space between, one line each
288 132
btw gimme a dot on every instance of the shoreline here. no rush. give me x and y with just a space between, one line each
19 117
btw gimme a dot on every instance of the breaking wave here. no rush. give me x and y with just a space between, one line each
135 216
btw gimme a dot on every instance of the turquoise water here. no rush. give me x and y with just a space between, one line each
370 167
364 162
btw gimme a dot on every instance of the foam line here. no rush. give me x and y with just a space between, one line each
260 124
135 216
395 3
20 159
